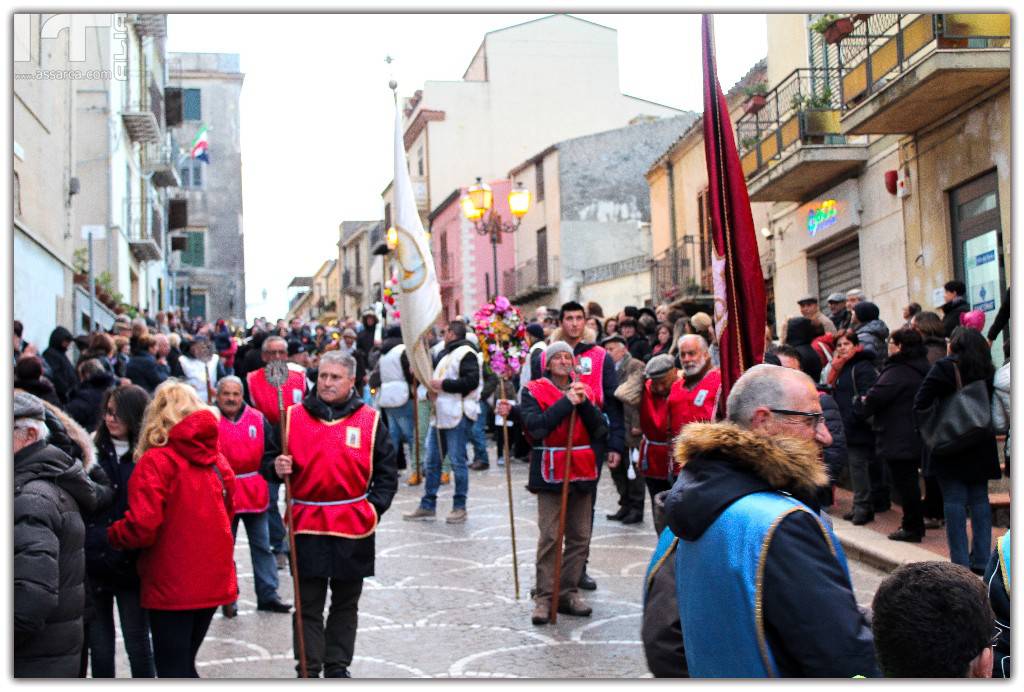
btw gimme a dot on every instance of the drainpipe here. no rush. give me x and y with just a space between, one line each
672 222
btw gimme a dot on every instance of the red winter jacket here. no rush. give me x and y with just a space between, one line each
179 514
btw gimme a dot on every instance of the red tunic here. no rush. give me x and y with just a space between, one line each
241 443
553 448
661 419
264 397
332 463
592 362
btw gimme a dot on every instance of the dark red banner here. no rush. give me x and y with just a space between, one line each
740 308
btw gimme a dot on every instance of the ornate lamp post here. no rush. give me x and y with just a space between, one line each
477 207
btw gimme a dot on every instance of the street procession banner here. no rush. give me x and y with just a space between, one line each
419 297
740 308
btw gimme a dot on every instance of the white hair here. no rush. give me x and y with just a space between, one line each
229 379
338 358
43 432
761 385
700 339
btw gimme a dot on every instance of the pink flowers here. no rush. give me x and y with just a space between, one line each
500 329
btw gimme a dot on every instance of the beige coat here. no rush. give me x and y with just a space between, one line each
630 391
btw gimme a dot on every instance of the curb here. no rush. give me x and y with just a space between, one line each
872 548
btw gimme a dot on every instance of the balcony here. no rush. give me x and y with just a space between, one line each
668 285
352 282
903 72
531 280
154 25
141 125
793 144
613 270
161 164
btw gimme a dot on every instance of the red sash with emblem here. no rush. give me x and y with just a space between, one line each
698 404
555 445
592 363
264 397
332 463
661 419
241 442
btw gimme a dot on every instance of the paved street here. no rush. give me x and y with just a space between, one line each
443 602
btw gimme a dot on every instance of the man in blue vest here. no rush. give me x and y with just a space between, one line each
763 586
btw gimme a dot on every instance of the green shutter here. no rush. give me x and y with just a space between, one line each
194 253
193 105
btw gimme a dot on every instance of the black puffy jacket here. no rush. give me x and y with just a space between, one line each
85 403
106 566
799 336
62 372
856 378
50 492
891 401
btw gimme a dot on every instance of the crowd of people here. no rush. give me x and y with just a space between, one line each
125 440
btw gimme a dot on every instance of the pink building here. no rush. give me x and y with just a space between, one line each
464 258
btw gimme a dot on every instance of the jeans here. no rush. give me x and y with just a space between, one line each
478 434
264 567
424 430
400 427
333 645
957 497
278 536
177 636
134 629
454 441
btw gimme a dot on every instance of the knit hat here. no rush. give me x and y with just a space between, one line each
973 319
295 346
28 406
658 366
865 311
349 332
535 329
557 347
701 321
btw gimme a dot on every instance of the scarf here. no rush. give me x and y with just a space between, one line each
839 361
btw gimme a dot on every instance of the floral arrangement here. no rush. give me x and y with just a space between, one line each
501 330
390 294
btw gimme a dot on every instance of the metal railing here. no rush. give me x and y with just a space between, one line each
612 270
530 278
803 109
663 284
885 45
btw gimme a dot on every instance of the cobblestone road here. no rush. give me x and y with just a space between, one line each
443 601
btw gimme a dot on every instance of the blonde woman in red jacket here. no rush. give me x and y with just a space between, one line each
179 515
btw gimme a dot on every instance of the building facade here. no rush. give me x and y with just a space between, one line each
361 260
208 275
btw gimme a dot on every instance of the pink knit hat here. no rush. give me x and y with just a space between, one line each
973 319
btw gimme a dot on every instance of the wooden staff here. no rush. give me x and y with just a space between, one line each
294 561
556 589
508 483
416 425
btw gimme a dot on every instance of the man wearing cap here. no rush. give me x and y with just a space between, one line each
546 412
630 372
50 491
455 389
597 371
838 313
244 433
809 309
535 338
263 397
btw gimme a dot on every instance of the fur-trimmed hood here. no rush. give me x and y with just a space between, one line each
721 462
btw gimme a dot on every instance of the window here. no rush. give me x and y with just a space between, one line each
359 268
707 243
538 174
419 161
387 216
193 104
197 305
194 254
542 257
186 176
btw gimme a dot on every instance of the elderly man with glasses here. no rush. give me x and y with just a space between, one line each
761 579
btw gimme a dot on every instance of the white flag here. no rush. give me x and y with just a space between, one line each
419 299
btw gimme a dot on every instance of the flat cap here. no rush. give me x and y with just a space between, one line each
614 337
837 298
28 406
807 299
658 366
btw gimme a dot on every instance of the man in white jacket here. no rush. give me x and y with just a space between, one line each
455 391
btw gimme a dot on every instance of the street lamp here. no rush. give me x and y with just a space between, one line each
477 206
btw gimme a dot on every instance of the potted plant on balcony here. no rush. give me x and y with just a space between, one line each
756 97
748 143
835 27
80 267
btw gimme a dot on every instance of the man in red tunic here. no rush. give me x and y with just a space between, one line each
243 434
344 477
547 405
263 398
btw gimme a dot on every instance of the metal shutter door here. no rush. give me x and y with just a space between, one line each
839 270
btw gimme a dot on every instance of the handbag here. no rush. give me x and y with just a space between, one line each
958 422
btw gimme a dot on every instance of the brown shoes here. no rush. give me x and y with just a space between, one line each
541 613
574 605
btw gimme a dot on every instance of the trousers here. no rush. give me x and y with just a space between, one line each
329 646
578 525
177 636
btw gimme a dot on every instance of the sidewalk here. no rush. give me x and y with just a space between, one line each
869 544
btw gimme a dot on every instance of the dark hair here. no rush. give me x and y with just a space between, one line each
914 308
787 350
910 341
628 322
89 368
931 619
600 327
973 355
848 334
571 306
594 309
28 368
458 328
130 402
664 325
956 286
17 328
929 324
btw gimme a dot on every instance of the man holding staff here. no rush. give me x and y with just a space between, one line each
343 478
565 424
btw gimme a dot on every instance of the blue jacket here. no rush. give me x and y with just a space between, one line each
760 579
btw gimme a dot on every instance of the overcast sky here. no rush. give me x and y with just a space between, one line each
317 114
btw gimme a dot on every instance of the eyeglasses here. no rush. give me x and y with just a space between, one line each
110 412
813 418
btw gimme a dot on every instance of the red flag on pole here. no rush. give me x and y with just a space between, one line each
740 308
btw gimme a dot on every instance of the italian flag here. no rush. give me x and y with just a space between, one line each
200 145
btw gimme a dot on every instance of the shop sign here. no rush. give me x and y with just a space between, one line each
822 216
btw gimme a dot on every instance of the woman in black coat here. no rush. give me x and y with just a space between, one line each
112 573
963 476
87 401
851 376
799 334
891 401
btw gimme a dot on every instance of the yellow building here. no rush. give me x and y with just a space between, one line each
885 157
